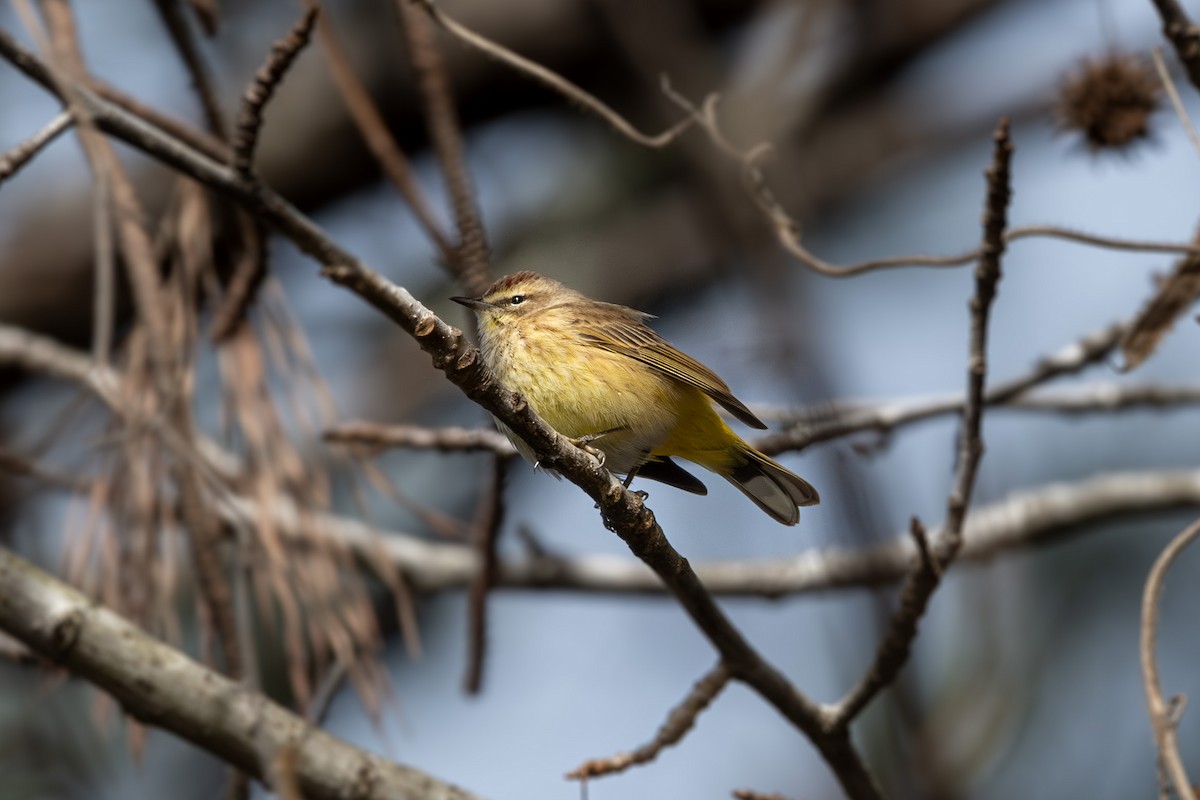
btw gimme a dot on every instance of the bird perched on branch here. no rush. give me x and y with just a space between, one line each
597 374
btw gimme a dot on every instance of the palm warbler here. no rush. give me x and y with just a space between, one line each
597 374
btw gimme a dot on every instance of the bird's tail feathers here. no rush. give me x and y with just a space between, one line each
776 490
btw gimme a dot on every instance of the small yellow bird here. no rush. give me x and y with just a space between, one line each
598 375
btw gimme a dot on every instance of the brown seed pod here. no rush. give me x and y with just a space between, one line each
1110 100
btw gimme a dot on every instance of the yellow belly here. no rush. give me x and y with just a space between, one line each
585 391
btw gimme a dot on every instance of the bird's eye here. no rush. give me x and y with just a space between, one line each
517 299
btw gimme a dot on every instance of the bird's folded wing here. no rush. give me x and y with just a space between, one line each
629 336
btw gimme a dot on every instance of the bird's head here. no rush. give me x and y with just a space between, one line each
516 296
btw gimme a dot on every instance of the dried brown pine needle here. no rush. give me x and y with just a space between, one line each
1110 100
1175 294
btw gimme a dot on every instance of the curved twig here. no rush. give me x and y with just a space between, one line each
1164 714
786 229
678 723
553 80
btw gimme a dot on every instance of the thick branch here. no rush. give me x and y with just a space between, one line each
162 687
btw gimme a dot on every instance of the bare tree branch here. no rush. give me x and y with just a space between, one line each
486 535
1090 349
552 79
470 262
373 435
1183 34
787 230
750 794
822 422
160 686
926 576
177 26
379 140
266 81
1164 714
12 161
1164 76
678 723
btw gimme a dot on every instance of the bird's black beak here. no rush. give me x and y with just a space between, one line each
473 303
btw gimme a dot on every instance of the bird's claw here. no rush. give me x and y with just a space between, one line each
584 444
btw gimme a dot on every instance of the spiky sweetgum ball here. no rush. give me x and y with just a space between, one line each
1110 100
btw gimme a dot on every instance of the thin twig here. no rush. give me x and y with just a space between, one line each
194 137
208 15
1097 397
886 417
470 262
251 266
553 80
378 138
1164 714
487 529
787 229
1176 102
20 466
678 723
894 650
830 421
1171 299
932 563
261 89
104 300
12 161
326 691
987 276
177 26
249 273
447 440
